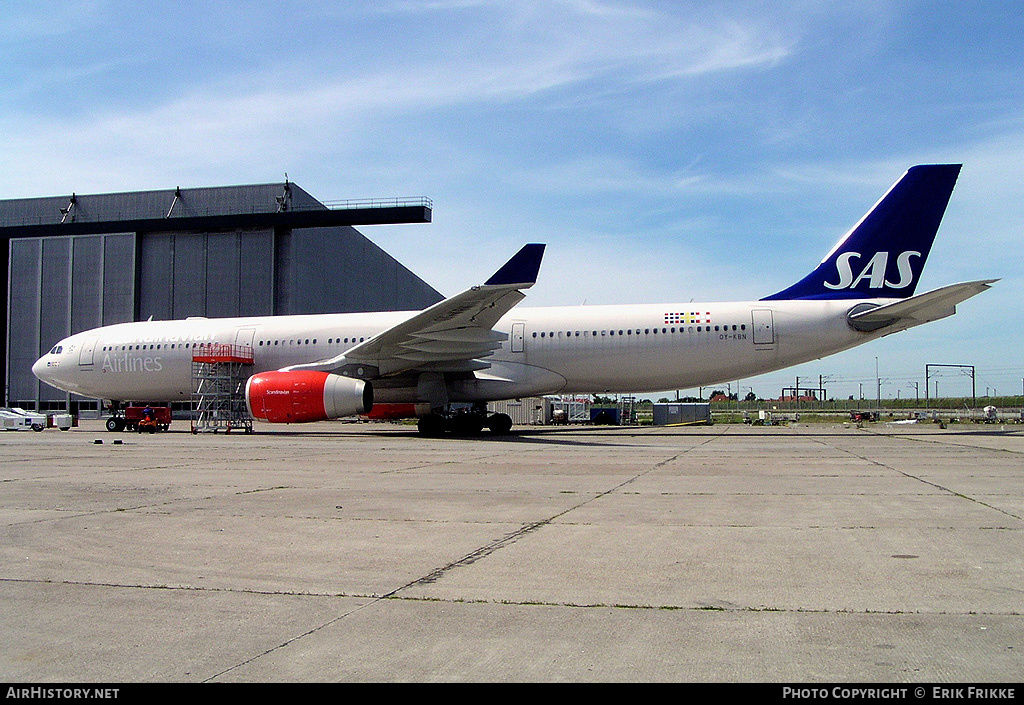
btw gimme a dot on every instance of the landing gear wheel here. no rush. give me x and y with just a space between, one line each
500 424
115 424
431 425
468 424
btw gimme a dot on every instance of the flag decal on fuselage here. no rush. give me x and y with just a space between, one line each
691 317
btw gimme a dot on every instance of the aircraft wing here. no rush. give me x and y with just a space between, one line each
451 335
919 309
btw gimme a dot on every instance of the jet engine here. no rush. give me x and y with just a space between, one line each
300 396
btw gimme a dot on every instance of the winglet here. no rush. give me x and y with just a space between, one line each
521 269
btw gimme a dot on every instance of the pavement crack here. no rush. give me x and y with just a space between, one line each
918 478
525 530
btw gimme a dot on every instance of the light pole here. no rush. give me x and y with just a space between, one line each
878 386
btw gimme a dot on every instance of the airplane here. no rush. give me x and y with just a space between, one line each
444 363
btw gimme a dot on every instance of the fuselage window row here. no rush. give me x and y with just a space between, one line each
637 331
261 343
158 346
307 341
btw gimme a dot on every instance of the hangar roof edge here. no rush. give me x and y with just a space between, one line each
282 204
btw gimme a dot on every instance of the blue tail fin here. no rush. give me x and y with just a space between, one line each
884 254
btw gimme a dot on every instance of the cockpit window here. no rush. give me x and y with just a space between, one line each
57 350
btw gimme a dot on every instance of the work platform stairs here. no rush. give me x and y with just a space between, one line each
628 410
219 372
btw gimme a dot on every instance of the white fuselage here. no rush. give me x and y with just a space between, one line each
583 349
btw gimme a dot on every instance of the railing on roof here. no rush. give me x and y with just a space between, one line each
73 214
222 352
396 202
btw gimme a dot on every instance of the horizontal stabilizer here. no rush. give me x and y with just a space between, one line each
918 309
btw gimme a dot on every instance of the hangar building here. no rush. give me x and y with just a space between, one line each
82 261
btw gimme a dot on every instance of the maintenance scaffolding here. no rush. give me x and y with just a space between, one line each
219 372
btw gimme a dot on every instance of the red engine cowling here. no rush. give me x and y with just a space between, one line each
386 411
301 396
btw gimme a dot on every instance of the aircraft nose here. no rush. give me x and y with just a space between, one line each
40 368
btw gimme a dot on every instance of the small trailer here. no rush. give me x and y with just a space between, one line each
141 418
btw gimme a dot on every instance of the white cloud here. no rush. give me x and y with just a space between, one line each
291 114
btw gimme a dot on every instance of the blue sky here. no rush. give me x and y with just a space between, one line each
665 151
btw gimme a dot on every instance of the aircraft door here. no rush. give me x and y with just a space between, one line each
763 324
86 356
518 337
245 336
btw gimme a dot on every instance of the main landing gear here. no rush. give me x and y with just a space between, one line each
463 422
